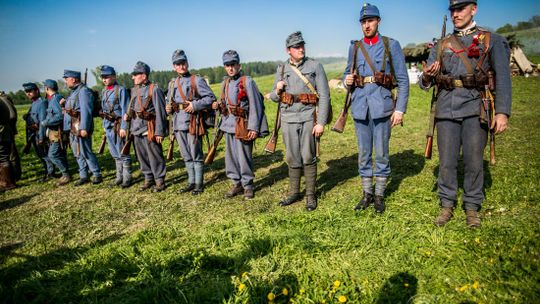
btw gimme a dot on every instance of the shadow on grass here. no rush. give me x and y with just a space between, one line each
404 164
14 202
132 274
338 172
399 288
275 174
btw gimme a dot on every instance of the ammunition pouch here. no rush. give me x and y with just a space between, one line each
73 113
304 98
469 81
108 116
241 129
196 126
237 111
145 115
33 127
384 80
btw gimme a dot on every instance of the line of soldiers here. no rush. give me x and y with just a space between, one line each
464 65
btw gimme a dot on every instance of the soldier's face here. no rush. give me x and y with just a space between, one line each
297 52
232 69
139 79
463 16
71 82
108 80
181 67
370 26
32 94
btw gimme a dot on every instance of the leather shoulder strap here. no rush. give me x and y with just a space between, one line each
387 52
462 55
305 80
366 57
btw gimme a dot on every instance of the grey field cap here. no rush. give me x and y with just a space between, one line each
459 3
230 57
141 68
294 39
179 56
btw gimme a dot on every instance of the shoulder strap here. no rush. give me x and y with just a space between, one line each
194 92
462 55
355 56
179 88
486 40
366 57
305 80
386 43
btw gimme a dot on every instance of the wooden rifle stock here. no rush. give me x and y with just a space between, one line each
270 146
429 147
492 160
339 126
28 145
213 148
102 144
170 150
127 146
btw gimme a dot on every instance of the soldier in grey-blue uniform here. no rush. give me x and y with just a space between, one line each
301 88
36 131
114 105
463 71
190 100
79 105
148 127
380 62
243 120
53 122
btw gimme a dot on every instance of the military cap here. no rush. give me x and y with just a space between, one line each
459 3
51 84
369 11
107 70
70 73
29 86
231 57
179 56
141 68
294 39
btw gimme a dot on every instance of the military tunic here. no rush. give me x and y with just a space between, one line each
239 154
457 117
36 114
80 99
372 105
149 153
116 107
53 122
298 119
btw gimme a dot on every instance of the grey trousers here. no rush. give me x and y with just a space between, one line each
239 161
150 155
299 143
470 136
190 150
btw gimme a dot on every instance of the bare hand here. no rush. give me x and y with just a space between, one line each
126 118
168 108
83 133
62 101
499 123
318 130
189 109
280 85
251 135
215 105
122 133
159 139
349 79
396 119
432 70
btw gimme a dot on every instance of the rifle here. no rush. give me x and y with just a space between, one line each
212 149
102 144
129 136
431 129
489 106
270 146
171 138
28 144
339 126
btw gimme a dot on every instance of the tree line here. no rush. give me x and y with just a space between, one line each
533 22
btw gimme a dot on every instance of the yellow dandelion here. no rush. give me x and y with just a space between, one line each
241 287
475 285
406 285
477 240
285 291
342 299
271 296
428 253
244 274
337 283
464 288
302 291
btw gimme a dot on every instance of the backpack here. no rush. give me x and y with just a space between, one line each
96 101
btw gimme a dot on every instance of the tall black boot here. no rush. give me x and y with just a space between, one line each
294 187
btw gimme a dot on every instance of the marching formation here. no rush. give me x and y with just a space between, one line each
467 68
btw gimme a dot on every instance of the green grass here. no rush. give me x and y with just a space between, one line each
96 244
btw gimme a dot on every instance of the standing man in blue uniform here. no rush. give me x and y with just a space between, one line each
114 105
148 127
36 131
54 124
471 62
190 100
380 63
79 106
301 88
243 120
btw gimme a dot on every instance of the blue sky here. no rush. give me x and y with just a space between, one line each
39 39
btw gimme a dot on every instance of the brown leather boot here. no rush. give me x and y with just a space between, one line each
249 193
148 183
65 179
473 220
160 186
234 191
444 216
6 179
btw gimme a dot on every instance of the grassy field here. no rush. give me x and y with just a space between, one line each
95 244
